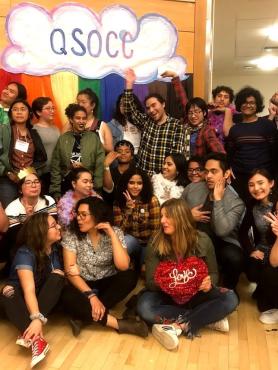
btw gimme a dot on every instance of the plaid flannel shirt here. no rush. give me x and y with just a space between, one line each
207 140
141 221
156 140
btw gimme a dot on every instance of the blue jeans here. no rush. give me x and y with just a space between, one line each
135 250
201 310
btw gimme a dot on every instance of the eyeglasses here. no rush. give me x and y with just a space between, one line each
49 109
82 215
30 182
195 170
251 103
196 112
54 226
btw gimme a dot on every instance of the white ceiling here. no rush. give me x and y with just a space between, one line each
238 36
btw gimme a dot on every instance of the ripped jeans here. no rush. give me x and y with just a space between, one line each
201 310
15 306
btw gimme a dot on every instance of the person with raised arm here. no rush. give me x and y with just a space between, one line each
160 133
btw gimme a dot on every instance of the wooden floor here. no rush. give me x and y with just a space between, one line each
248 346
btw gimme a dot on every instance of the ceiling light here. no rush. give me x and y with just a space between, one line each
248 67
266 63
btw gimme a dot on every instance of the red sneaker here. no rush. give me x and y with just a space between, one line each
39 349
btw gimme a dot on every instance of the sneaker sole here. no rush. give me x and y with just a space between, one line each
268 321
40 357
167 341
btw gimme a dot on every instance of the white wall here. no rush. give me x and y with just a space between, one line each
267 84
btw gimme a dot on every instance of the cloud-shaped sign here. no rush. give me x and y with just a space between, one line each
74 38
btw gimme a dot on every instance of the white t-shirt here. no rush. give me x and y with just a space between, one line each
132 134
17 214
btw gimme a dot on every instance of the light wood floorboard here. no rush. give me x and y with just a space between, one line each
248 346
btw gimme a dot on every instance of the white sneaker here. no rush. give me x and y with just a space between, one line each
23 342
221 325
269 317
167 335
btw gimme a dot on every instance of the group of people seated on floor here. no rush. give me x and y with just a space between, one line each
190 204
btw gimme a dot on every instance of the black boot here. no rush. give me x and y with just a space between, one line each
134 327
76 326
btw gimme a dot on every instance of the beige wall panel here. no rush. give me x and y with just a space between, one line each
180 13
186 49
4 7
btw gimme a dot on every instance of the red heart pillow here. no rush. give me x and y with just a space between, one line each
181 280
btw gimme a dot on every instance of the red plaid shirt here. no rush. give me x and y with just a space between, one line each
207 140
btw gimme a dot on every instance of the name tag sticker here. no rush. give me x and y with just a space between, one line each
21 145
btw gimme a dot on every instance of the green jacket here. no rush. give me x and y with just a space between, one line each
92 154
204 250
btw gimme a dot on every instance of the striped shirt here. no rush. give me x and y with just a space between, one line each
252 145
156 140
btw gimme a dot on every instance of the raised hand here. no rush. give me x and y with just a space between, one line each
130 78
170 74
219 189
130 203
273 220
29 208
106 227
110 158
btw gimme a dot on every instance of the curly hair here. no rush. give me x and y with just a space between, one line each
72 109
227 90
147 190
247 92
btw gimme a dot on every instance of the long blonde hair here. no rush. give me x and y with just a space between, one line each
185 237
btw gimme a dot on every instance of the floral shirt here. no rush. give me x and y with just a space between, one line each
95 262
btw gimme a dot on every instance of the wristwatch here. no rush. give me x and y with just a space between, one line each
106 168
90 293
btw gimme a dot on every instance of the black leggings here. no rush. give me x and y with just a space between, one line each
15 307
112 290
